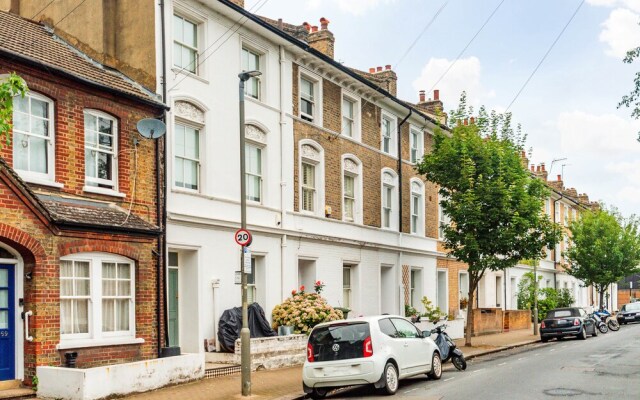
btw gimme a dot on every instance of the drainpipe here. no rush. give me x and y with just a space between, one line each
283 183
161 205
400 170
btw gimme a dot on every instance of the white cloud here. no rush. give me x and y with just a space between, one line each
355 7
630 169
620 32
463 76
630 194
630 4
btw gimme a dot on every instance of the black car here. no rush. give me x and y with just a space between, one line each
629 313
570 321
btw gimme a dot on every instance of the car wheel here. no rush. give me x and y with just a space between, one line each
436 367
583 335
390 376
319 393
544 339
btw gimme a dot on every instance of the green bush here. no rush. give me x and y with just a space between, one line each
548 298
432 313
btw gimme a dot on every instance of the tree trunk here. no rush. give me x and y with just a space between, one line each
601 291
473 283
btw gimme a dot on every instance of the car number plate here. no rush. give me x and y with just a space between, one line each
331 371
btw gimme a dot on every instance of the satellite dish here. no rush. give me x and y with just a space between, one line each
151 128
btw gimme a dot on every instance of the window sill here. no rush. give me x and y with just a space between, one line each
80 343
108 192
42 182
179 71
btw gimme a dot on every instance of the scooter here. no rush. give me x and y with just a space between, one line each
602 327
448 348
608 319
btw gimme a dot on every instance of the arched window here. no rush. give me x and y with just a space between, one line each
351 189
389 197
33 137
417 207
311 178
188 140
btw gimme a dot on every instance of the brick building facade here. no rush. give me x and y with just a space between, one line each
79 226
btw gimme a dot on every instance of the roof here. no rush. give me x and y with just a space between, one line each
35 43
81 213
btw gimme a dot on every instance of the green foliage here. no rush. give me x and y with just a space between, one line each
410 311
303 311
34 382
548 298
432 313
632 100
10 86
606 248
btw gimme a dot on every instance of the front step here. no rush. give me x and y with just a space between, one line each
12 384
17 393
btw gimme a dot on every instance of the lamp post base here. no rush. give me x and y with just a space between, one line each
245 358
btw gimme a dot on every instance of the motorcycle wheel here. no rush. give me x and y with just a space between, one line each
603 327
459 362
614 325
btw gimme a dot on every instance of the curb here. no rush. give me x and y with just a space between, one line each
449 366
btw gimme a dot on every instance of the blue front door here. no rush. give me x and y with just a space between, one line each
7 324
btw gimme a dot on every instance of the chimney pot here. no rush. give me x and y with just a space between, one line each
436 94
378 69
538 168
314 29
306 26
466 121
543 168
324 23
372 70
559 177
472 120
422 96
533 168
387 67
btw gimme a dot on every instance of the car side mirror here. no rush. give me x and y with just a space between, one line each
426 333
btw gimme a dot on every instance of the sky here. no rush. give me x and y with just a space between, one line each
489 48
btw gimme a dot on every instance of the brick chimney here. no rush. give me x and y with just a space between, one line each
430 106
322 39
238 2
389 79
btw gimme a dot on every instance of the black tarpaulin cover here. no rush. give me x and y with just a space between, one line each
231 323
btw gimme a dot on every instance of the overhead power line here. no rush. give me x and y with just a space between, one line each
467 46
545 55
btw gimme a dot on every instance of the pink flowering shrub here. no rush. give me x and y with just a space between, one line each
303 311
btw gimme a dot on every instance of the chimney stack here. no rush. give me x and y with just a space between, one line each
322 40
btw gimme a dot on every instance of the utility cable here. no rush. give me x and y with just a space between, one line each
34 15
421 34
467 46
545 55
203 59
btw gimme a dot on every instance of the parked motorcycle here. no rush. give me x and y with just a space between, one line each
602 327
448 348
610 320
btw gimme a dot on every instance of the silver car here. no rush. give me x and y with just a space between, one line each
377 350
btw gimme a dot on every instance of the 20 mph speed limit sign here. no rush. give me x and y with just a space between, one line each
243 237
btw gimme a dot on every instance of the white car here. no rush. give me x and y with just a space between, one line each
378 350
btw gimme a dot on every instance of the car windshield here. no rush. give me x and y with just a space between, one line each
562 313
339 342
631 307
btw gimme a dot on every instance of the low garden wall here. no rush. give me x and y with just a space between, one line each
517 319
275 352
487 321
455 328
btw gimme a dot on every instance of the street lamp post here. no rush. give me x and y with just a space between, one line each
535 297
245 334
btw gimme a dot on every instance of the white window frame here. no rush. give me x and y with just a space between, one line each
566 214
416 144
347 288
419 192
357 120
317 161
199 128
115 159
443 219
444 309
389 179
38 177
260 147
198 25
261 67
547 207
95 336
357 188
393 127
316 81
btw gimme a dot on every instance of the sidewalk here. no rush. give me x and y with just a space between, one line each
286 383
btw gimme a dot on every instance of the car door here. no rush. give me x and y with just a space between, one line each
413 346
589 324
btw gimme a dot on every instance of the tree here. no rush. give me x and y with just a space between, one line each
10 85
548 298
494 204
605 248
632 100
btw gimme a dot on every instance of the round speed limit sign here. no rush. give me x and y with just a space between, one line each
243 237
